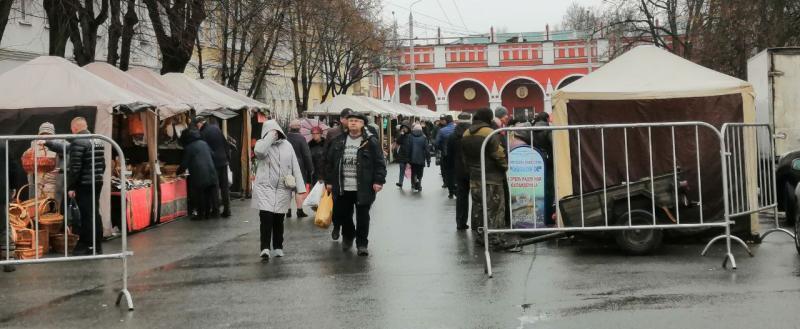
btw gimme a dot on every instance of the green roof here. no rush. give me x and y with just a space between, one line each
526 37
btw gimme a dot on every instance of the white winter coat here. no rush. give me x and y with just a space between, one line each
275 159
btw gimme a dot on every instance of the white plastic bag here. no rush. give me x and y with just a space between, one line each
312 200
230 176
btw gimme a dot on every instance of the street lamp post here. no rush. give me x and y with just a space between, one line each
413 85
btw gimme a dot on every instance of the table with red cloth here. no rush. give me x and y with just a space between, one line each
173 200
140 205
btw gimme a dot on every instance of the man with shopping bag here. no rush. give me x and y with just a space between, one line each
355 173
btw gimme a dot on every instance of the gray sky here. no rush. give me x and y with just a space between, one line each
478 15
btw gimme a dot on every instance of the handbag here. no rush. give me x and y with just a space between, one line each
289 181
74 214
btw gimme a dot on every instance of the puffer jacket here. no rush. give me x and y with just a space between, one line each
455 161
371 167
275 159
198 159
80 162
317 150
417 148
496 161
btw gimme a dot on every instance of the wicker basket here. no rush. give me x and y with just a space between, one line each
57 241
169 170
46 160
18 217
25 239
51 221
30 205
29 253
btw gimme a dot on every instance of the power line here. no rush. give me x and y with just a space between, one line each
443 11
458 10
416 12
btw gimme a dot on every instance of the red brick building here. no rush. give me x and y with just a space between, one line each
519 71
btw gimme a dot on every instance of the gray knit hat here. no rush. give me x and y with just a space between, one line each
47 128
500 112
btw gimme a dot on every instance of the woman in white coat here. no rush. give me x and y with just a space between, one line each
278 174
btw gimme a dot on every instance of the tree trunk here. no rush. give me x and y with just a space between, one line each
177 45
129 21
114 33
5 10
59 29
199 56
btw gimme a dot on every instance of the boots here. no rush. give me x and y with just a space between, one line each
301 213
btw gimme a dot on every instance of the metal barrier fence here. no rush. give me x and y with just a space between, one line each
39 258
652 185
757 142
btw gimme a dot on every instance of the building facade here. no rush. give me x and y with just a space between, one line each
519 71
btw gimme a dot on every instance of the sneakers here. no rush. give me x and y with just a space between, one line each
462 228
451 196
335 233
347 245
278 252
301 213
264 254
289 213
362 251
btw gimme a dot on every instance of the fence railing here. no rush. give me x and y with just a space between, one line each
22 220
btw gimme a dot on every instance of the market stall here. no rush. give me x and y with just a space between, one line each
240 129
52 89
647 85
138 135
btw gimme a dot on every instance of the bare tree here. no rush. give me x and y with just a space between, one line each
580 18
83 25
114 32
58 23
176 24
307 20
352 44
129 22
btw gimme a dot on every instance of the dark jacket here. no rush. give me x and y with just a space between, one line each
331 135
80 162
215 139
417 147
496 161
317 150
455 161
198 160
543 140
401 155
442 136
303 154
371 167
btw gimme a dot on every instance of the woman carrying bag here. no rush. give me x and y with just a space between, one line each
278 174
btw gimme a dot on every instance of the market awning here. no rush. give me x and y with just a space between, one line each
199 91
359 104
251 103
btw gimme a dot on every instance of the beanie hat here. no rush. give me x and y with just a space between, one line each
500 112
464 117
483 115
417 126
47 128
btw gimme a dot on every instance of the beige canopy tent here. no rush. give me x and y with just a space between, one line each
55 90
361 104
645 85
251 103
191 88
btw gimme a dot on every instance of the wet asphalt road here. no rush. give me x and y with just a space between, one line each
421 274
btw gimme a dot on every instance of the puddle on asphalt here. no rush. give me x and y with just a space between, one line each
528 320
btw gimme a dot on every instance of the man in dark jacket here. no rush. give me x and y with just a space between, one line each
460 172
303 154
317 148
213 136
332 134
197 158
496 166
84 181
401 155
417 148
356 172
441 145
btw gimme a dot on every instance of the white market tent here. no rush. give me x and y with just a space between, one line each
648 84
370 106
419 111
251 103
193 89
56 90
166 104
156 81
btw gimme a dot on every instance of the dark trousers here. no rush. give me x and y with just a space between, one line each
343 211
416 175
271 229
200 199
448 178
462 201
84 197
223 194
402 166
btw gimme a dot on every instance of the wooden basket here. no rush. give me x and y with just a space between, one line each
57 241
18 217
46 160
29 253
25 239
50 217
30 205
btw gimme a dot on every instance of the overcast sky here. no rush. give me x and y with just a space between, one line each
457 17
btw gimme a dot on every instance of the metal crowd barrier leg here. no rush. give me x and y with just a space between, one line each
122 255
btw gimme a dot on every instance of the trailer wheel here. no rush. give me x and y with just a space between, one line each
638 241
